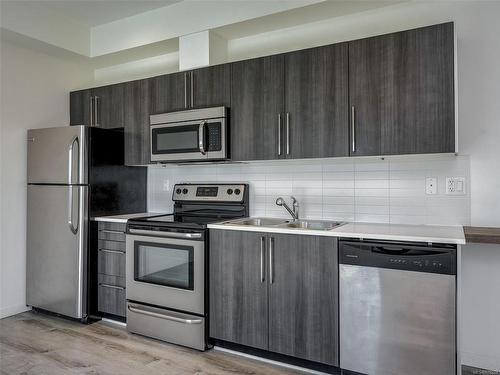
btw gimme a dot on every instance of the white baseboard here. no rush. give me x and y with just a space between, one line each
13 310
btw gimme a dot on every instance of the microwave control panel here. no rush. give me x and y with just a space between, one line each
214 136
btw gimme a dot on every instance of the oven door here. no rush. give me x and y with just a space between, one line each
194 140
167 272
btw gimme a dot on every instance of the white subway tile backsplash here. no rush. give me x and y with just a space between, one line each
367 190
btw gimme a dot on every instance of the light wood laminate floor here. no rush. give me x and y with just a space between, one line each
33 343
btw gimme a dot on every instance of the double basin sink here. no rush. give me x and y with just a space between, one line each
287 224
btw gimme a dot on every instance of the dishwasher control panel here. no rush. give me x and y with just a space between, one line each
399 255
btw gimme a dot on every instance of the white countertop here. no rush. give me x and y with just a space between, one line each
124 218
393 232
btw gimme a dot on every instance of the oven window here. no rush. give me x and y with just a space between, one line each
163 264
175 139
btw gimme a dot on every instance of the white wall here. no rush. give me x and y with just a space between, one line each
34 93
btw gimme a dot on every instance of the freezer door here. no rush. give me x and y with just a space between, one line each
57 249
57 155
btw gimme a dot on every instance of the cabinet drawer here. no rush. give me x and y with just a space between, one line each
111 245
111 235
111 262
111 280
106 225
111 299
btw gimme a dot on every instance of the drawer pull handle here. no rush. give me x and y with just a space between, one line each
111 286
111 231
163 316
112 251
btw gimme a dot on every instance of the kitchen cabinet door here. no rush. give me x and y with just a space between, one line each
303 297
210 86
169 92
317 112
79 107
109 106
257 102
401 89
136 121
238 290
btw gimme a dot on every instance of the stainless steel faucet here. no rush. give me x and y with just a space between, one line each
295 204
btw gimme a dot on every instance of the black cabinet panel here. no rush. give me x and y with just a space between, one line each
210 86
303 298
316 96
402 89
238 295
79 107
256 102
109 106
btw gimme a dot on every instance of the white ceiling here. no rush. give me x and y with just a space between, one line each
98 12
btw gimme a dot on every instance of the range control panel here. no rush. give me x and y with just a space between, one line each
209 192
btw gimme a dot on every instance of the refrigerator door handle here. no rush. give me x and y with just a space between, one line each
70 159
71 225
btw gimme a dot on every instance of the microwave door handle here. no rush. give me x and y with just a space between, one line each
201 138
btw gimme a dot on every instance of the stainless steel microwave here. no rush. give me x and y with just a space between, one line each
192 135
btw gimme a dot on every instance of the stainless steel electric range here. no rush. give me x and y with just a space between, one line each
167 262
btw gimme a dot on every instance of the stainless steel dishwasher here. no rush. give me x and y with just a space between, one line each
397 308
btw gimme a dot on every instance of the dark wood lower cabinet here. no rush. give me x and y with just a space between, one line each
111 296
238 296
285 303
303 298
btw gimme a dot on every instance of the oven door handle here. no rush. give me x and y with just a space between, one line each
155 233
163 316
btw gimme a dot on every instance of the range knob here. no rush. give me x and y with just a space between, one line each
230 191
184 191
178 191
237 191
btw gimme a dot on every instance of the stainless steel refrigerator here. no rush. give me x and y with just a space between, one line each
74 174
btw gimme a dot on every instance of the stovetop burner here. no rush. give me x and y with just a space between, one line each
197 205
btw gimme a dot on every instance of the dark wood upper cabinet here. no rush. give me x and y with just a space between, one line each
303 298
256 103
238 294
210 86
136 122
169 92
401 89
79 107
316 97
109 106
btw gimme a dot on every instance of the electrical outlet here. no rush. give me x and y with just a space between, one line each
455 185
431 185
166 185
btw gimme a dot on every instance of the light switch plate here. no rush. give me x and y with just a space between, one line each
166 185
431 185
455 185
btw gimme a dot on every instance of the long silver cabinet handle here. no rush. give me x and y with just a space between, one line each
111 286
96 111
111 231
166 234
163 316
185 90
288 133
353 129
112 251
91 110
191 77
271 260
279 134
262 259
